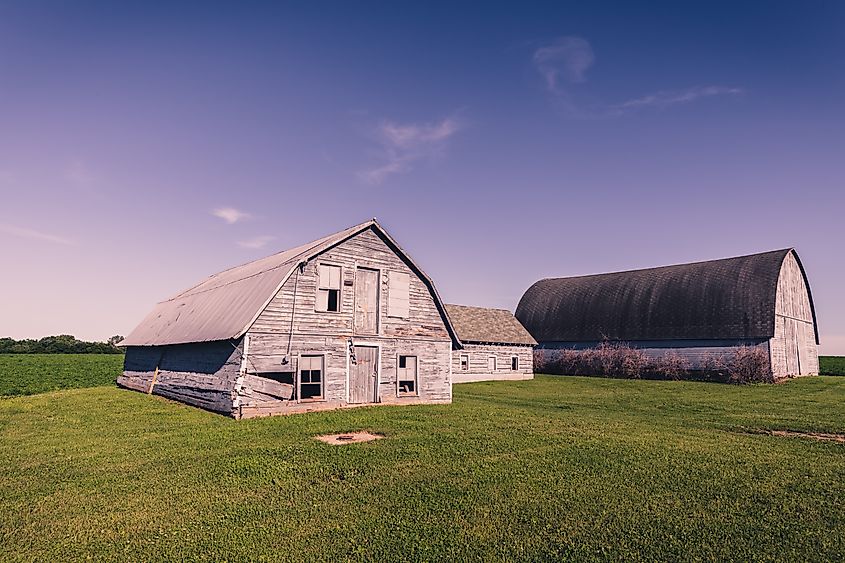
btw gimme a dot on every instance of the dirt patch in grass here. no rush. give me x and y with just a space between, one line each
821 436
348 438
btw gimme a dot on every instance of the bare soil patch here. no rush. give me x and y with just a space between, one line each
348 438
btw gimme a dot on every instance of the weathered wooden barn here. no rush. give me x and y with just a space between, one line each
495 345
346 320
695 310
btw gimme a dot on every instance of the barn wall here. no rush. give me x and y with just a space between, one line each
793 347
422 334
478 365
199 374
696 352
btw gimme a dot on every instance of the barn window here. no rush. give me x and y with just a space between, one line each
464 362
491 363
514 363
398 298
328 288
406 375
311 377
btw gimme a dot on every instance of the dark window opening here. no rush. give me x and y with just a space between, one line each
334 301
514 363
464 362
279 376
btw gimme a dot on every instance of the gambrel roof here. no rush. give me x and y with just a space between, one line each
732 298
225 305
480 325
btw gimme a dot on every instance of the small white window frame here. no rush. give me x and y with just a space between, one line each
461 362
298 381
416 392
514 363
495 363
339 289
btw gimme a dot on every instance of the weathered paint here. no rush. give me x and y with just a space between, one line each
478 366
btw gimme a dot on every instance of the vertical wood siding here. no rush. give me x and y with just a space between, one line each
479 367
793 348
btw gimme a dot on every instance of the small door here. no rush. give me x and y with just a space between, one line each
491 363
366 301
363 375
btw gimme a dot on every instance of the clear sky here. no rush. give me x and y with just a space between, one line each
144 146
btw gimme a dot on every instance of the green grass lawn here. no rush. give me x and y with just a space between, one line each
832 365
28 374
555 468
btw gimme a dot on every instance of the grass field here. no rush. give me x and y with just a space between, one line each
567 467
28 374
832 365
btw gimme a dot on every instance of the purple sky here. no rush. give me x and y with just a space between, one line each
145 147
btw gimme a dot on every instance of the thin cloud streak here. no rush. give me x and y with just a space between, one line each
405 144
668 98
257 242
230 215
563 64
32 234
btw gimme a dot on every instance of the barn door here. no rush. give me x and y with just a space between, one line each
363 375
366 301
793 365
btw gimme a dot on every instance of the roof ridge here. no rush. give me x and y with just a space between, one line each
652 268
306 247
479 307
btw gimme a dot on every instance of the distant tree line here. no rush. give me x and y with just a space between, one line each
61 344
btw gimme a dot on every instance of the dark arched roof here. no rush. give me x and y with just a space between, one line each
733 298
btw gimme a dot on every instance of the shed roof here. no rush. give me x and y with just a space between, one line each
226 304
731 298
482 325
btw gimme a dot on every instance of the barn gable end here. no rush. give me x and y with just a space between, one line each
292 326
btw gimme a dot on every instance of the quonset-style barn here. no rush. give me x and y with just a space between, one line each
495 345
345 320
691 309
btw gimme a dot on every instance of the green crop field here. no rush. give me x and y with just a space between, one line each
555 468
832 365
28 374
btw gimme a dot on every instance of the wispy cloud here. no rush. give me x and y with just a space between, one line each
230 214
566 59
668 98
257 242
404 144
563 65
23 232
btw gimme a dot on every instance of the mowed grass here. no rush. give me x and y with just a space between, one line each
555 468
28 374
832 365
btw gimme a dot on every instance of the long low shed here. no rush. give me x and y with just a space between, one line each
695 310
495 346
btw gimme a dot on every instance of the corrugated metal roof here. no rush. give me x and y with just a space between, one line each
496 326
732 298
225 305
